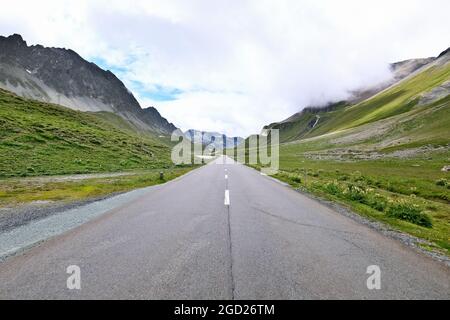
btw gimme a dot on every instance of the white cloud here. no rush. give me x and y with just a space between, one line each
239 64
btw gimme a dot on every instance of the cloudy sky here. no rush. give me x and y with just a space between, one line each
234 66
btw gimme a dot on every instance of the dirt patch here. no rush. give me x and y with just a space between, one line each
346 154
75 177
13 217
435 94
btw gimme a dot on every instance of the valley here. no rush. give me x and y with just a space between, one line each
210 154
380 153
369 173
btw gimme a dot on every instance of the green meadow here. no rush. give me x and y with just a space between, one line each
40 140
382 157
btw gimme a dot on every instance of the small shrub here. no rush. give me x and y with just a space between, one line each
390 188
355 193
442 182
95 141
377 202
310 173
409 212
443 196
296 179
332 188
377 183
123 163
414 191
378 205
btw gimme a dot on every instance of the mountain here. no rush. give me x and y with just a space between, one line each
38 138
153 118
61 76
414 83
214 139
384 154
399 70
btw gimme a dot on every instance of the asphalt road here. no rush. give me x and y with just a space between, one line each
193 239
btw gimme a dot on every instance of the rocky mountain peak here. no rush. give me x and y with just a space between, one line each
445 52
61 76
14 39
215 139
152 115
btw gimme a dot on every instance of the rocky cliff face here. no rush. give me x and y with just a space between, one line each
61 76
151 116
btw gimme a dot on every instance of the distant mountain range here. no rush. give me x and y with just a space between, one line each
213 139
62 77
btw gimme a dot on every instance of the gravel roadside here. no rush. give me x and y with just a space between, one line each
30 229
26 226
13 217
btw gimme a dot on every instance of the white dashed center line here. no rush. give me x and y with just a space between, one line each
227 198
226 176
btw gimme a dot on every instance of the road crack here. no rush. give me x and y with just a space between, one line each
230 243
302 224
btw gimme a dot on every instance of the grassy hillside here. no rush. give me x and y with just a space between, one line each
302 124
381 157
44 139
123 125
395 100
38 139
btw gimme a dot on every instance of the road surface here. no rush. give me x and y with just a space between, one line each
223 231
